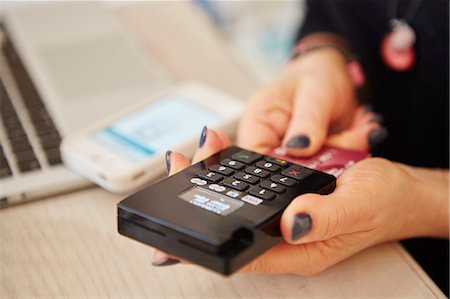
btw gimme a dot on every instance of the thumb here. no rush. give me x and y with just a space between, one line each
314 217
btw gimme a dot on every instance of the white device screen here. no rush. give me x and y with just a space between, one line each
155 128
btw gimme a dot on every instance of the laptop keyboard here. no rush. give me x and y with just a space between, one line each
18 139
42 126
5 170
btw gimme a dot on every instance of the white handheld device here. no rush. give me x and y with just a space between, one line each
125 151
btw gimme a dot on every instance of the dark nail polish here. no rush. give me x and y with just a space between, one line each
377 136
167 157
377 118
302 225
202 137
301 141
368 108
165 262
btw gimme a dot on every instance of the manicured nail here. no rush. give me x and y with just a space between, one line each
377 136
378 118
300 141
203 137
302 225
165 262
167 157
368 108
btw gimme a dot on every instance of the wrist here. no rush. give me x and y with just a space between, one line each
318 41
428 202
326 41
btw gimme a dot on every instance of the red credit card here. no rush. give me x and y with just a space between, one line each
331 160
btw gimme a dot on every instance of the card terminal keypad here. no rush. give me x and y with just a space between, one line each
218 213
247 175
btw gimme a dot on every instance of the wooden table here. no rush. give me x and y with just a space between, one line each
68 246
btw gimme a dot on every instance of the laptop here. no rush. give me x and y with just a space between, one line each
62 67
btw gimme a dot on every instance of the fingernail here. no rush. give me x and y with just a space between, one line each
203 137
302 225
377 136
300 141
368 108
167 157
378 118
165 262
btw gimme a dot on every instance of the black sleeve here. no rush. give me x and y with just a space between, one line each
317 19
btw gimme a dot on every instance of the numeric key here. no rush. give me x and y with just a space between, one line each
210 176
284 180
268 166
276 187
246 177
257 171
262 193
236 165
235 184
222 169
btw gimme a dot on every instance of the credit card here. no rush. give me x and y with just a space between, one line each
331 160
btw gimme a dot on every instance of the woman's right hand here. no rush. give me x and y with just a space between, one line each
311 103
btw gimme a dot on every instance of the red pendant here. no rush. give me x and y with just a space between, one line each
397 47
397 59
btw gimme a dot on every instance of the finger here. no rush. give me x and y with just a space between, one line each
285 258
265 120
308 259
161 258
314 217
224 139
175 162
210 143
310 120
322 103
357 136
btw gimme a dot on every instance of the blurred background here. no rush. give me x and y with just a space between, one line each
260 33
65 65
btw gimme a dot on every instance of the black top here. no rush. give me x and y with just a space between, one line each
415 103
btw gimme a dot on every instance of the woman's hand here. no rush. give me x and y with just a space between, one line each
210 143
311 103
375 201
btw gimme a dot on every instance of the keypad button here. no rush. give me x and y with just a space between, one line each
262 193
268 166
235 184
246 177
246 157
297 172
222 169
252 200
210 176
232 164
217 188
233 193
284 180
278 188
198 181
279 162
257 171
